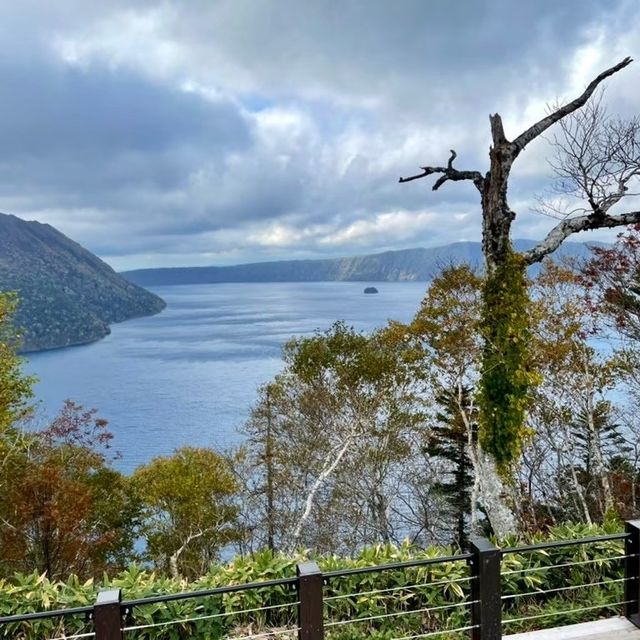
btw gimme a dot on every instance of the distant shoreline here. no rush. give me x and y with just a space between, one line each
84 343
410 265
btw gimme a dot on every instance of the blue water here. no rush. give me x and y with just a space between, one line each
189 375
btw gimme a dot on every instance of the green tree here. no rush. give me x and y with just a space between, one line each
328 440
263 466
189 513
15 387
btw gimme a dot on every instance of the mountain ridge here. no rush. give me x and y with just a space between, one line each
416 264
67 295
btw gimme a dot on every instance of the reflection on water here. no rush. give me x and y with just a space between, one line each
190 374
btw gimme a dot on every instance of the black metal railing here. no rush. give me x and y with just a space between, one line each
480 595
611 567
402 600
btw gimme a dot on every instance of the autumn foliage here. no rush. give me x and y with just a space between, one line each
63 508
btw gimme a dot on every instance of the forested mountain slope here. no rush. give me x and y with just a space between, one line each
67 294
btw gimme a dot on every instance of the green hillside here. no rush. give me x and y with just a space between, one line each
68 296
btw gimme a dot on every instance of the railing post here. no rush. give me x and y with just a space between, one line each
107 616
486 610
632 572
310 609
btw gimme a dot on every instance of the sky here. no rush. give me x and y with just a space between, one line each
223 131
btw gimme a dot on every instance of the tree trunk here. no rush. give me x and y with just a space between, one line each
330 463
268 455
594 446
496 244
496 214
173 565
488 486
576 484
461 494
494 496
175 556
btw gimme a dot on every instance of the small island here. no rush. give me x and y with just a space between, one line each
371 290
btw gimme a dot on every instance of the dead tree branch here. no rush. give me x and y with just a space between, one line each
542 125
449 173
597 164
563 230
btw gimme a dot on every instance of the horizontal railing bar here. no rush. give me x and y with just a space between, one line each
40 615
267 634
567 611
76 636
211 616
564 543
566 588
403 588
398 565
205 593
395 614
207 617
431 634
564 564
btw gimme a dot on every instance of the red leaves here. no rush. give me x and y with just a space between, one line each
612 281
63 506
79 428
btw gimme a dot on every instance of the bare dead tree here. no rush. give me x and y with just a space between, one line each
596 162
609 166
605 185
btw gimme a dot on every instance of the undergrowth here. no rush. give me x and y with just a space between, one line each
403 602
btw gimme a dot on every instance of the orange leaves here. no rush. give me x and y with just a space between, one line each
62 508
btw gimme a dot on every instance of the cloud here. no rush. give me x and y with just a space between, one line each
216 132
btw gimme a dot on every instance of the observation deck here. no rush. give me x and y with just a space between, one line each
618 628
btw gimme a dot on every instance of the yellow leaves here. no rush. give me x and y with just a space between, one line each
187 502
454 588
15 387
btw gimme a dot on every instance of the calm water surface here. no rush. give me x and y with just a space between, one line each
189 375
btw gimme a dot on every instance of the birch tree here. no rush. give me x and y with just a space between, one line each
577 381
333 433
188 509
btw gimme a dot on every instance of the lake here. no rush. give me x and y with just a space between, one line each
189 375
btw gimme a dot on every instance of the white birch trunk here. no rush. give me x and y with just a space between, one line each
595 445
488 487
494 495
328 468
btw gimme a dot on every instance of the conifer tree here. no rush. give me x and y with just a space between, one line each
449 440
